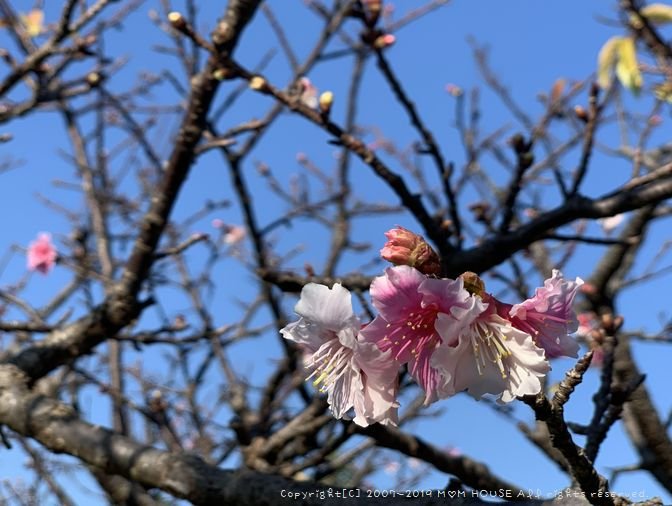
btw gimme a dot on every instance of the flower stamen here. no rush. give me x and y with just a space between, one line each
329 366
489 345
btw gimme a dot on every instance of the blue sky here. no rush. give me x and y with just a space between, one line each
531 45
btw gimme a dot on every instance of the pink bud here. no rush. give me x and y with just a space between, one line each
384 41
404 247
42 254
454 89
655 120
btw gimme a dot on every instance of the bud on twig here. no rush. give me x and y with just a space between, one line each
383 41
581 113
258 83
177 21
93 79
326 101
404 247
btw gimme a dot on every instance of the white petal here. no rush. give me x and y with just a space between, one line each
331 309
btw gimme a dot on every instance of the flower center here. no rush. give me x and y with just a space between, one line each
412 337
331 362
489 346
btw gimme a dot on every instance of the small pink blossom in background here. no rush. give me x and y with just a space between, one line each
531 212
453 451
42 254
392 467
454 90
308 93
588 289
655 120
231 234
611 223
234 234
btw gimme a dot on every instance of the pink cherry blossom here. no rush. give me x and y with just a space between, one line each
548 316
409 304
482 353
308 93
42 254
353 373
234 234
611 223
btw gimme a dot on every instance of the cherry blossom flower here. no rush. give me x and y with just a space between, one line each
611 223
404 247
483 353
308 93
42 254
234 234
353 373
548 316
409 304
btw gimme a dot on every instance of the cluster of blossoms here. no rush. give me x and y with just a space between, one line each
452 335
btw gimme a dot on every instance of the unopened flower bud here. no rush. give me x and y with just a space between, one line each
384 41
220 74
404 247
257 83
655 120
177 21
93 79
326 101
581 113
454 90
